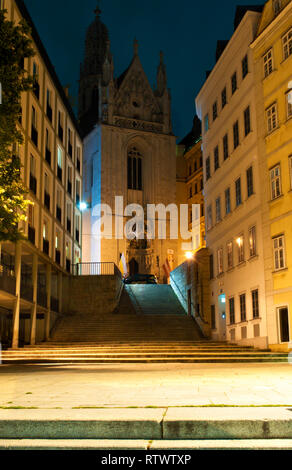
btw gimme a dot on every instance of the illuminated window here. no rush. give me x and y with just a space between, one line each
220 260
252 242
240 249
230 255
268 63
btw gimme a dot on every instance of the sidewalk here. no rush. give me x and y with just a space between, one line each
144 385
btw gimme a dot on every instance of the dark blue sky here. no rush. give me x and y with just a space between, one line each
186 31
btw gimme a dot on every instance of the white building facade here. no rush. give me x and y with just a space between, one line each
226 106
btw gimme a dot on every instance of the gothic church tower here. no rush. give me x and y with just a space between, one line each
129 151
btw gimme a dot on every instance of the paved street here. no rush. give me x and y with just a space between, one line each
145 385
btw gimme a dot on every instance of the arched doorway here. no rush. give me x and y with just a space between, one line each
134 267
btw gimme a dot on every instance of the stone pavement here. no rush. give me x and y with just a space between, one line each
145 385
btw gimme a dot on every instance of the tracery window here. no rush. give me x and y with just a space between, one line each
134 169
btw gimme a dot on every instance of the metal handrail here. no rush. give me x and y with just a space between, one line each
96 269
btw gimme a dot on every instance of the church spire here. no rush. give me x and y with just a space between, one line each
161 76
136 47
97 10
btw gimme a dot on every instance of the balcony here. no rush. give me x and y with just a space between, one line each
46 246
68 265
36 89
60 132
69 225
7 279
47 200
33 183
31 234
34 135
58 256
48 156
70 150
59 213
60 173
49 113
77 235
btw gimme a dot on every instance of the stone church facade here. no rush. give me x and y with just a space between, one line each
129 151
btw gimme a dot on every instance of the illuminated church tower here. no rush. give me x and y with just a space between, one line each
129 151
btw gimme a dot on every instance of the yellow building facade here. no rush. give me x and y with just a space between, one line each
272 51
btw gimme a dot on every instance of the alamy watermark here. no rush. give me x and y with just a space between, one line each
155 221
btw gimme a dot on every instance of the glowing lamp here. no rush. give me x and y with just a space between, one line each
83 206
189 255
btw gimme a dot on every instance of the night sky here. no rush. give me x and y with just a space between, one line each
185 30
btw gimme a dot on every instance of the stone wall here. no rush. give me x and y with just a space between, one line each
89 295
190 282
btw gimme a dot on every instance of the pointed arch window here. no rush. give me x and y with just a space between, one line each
134 169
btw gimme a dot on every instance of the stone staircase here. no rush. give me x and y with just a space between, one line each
149 326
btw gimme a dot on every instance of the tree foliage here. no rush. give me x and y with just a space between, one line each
15 46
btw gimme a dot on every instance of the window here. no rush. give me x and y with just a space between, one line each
69 181
249 181
244 66
234 83
45 230
34 131
209 217
231 311
218 210
36 86
279 252
227 201
287 44
240 249
272 119
206 122
60 163
208 169
134 170
47 197
225 147
60 126
59 205
242 301
255 303
235 135
230 255
268 63
78 191
32 175
78 164
224 97
201 184
213 317
238 192
216 158
220 260
252 242
195 166
275 181
215 111
247 127
289 103
277 6
70 146
49 110
77 230
196 188
191 191
211 267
